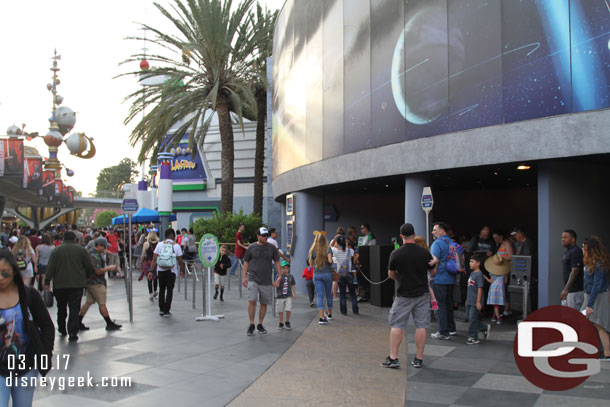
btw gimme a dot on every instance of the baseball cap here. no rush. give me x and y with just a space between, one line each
285 263
13 239
262 231
407 230
515 231
100 241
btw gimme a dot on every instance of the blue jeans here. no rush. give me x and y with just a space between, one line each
444 297
324 284
346 282
22 395
234 263
475 324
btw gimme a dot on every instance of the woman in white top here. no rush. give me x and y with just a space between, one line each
43 252
23 247
342 258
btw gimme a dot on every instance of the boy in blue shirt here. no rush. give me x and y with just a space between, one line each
474 301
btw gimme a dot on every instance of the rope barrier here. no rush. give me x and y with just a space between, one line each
366 278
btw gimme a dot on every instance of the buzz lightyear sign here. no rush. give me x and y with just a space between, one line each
208 250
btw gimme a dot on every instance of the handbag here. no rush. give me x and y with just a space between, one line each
47 297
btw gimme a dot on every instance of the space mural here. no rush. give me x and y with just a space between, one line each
355 74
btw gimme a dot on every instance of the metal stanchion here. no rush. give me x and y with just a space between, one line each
179 282
186 280
204 294
241 277
194 272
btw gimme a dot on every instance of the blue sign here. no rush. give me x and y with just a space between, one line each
130 205
426 204
426 198
186 163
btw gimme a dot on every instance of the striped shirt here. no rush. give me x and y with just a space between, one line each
340 257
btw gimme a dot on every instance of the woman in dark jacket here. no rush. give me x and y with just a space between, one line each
27 342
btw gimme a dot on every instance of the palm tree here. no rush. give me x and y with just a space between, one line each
208 68
262 24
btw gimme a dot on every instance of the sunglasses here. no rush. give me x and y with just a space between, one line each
6 274
265 235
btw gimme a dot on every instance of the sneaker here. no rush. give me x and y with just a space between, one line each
288 326
222 299
438 335
323 321
499 321
311 304
434 305
261 329
216 296
250 331
487 333
604 358
62 332
155 294
417 363
472 341
73 338
151 298
507 314
391 363
329 316
493 319
280 327
167 314
452 333
82 327
161 313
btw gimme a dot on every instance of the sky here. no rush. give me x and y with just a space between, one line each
90 37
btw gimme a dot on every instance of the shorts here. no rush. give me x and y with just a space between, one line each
403 307
114 259
96 293
219 280
261 293
575 300
284 304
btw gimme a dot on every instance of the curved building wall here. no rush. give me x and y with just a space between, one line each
400 86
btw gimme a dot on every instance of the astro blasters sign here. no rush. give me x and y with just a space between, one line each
186 163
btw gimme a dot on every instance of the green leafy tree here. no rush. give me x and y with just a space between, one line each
104 218
224 227
207 68
110 178
262 24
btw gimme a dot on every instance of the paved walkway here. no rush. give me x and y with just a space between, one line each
178 362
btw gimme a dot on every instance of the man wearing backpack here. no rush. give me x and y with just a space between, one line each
444 281
167 258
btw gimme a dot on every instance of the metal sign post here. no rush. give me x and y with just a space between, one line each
208 254
426 204
129 206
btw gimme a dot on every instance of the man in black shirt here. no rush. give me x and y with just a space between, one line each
573 279
409 267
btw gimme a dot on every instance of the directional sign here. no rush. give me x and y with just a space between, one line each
208 250
427 202
130 205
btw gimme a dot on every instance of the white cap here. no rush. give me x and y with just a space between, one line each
13 239
263 231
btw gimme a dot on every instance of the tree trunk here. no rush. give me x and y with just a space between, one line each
227 155
259 158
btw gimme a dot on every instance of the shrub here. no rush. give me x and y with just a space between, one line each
224 227
104 218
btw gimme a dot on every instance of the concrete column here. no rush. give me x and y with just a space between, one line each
309 211
414 214
571 195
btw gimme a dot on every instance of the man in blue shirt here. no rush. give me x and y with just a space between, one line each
443 283
572 265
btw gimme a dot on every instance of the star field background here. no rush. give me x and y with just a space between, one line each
357 74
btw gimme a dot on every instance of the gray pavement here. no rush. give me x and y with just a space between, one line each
179 362
172 361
